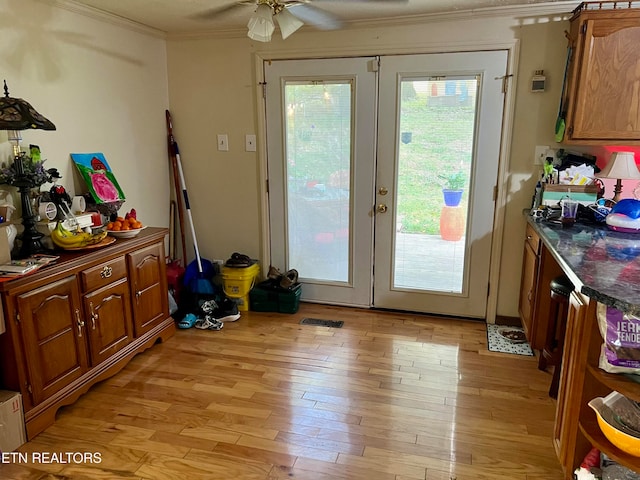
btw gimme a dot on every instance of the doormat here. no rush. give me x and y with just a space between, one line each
505 339
322 323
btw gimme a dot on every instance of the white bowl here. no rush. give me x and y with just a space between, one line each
125 233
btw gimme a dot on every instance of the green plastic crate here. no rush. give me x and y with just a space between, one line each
264 297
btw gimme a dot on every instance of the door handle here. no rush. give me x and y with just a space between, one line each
94 316
381 208
79 322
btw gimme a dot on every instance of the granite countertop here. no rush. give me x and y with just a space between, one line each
602 264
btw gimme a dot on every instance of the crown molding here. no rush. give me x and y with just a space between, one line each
110 18
523 14
531 11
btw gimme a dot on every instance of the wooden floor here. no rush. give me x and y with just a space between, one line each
386 397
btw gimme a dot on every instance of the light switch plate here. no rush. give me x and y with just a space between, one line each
223 142
540 154
250 143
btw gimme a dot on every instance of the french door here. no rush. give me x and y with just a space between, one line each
359 152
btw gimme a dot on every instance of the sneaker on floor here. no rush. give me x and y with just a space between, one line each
227 311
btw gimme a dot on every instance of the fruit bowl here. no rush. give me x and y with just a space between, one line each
125 233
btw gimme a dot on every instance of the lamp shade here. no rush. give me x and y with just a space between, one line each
261 24
17 114
622 165
288 23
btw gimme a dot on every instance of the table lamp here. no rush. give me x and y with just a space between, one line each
621 166
16 115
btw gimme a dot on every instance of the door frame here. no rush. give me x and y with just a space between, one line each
512 49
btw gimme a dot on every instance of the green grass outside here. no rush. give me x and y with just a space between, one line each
441 130
441 143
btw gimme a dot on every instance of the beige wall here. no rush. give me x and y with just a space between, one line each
212 86
542 47
105 89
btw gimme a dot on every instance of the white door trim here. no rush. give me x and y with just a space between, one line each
513 49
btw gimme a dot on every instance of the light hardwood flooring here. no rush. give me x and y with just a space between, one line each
388 396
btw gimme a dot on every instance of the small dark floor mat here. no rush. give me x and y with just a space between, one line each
322 323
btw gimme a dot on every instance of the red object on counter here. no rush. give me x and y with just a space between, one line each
96 219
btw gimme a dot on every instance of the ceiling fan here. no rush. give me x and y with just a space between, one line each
290 15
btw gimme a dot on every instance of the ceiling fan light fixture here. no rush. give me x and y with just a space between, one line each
288 23
261 24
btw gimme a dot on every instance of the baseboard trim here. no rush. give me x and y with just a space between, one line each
509 321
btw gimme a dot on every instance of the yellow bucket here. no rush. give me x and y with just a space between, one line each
237 282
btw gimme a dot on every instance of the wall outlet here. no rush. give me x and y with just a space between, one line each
540 154
250 143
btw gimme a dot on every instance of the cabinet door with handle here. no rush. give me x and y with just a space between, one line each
604 100
149 288
53 332
108 320
528 292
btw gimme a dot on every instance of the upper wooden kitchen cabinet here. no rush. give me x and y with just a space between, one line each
602 94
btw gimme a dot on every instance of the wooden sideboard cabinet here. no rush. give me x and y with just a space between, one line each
601 98
80 321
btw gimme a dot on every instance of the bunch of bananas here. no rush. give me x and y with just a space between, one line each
64 238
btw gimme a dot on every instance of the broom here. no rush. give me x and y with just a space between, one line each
198 273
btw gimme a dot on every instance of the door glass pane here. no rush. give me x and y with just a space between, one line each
435 154
318 149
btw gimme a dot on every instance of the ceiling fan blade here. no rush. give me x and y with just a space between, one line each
314 16
219 11
361 1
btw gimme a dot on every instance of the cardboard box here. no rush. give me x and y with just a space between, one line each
584 194
5 251
12 434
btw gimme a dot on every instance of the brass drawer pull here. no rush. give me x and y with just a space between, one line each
106 272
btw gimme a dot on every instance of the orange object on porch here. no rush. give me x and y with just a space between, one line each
452 224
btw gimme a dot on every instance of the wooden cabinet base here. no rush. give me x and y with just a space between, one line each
43 415
80 321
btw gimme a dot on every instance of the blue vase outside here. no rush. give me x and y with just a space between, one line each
452 197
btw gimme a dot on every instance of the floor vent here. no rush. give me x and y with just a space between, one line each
322 323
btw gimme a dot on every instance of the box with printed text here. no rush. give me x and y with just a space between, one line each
12 434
